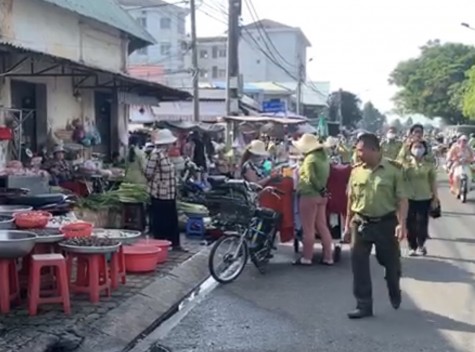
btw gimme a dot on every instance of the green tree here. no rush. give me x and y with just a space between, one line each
433 84
345 105
468 101
373 120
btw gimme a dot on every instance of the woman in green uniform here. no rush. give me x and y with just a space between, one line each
313 177
421 185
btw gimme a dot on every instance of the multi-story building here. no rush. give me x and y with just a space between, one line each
211 59
272 51
166 23
268 52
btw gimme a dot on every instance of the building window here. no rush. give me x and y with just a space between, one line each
165 49
222 52
214 72
203 73
142 20
181 25
165 23
215 52
142 51
222 73
203 54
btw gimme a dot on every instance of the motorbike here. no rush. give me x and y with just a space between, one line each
464 174
221 195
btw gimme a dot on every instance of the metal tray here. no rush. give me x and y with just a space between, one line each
90 249
45 237
124 236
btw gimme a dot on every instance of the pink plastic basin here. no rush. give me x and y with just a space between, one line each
164 245
141 259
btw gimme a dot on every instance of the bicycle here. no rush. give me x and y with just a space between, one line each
254 241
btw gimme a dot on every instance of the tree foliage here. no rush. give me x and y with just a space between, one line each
433 84
396 123
373 120
350 108
469 95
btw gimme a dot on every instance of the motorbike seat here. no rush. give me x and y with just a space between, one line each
217 180
267 213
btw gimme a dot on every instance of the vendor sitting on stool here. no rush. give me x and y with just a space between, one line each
59 169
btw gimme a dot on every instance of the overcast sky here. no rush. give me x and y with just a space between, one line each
356 44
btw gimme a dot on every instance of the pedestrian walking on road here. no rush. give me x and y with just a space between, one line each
377 211
421 183
313 198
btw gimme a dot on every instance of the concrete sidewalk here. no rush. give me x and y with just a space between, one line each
115 322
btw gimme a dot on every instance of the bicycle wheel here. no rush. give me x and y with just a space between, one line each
234 260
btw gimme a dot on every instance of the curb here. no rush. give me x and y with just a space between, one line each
121 328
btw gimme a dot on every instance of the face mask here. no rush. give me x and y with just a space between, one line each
391 135
417 152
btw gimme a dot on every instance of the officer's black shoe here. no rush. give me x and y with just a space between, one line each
395 300
360 313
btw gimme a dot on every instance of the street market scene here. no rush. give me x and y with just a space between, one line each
173 179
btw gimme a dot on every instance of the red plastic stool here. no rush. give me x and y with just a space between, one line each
92 276
61 293
9 284
117 269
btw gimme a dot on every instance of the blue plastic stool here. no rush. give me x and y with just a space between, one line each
195 227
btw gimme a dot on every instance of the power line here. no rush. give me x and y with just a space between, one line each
264 34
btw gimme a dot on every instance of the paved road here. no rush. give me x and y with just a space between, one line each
304 309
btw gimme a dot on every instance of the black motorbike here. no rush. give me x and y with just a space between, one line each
221 195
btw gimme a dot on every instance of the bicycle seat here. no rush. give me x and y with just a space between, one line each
217 180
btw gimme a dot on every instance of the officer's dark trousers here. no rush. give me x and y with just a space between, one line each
381 234
418 222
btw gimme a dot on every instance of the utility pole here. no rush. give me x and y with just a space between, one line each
194 61
301 80
232 71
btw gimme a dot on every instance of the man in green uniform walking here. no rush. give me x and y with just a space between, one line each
377 211
391 145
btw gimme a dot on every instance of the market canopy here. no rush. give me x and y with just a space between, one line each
279 120
192 126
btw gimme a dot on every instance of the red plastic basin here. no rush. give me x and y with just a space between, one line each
141 259
164 245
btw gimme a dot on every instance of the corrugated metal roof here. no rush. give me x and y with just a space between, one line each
313 93
107 12
271 87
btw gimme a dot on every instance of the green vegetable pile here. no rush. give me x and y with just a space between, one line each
126 193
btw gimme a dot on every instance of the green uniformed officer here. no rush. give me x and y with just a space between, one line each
377 211
391 145
416 133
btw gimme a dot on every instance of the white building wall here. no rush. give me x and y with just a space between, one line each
38 26
209 64
174 37
61 104
255 66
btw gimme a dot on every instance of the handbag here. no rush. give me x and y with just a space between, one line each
435 212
